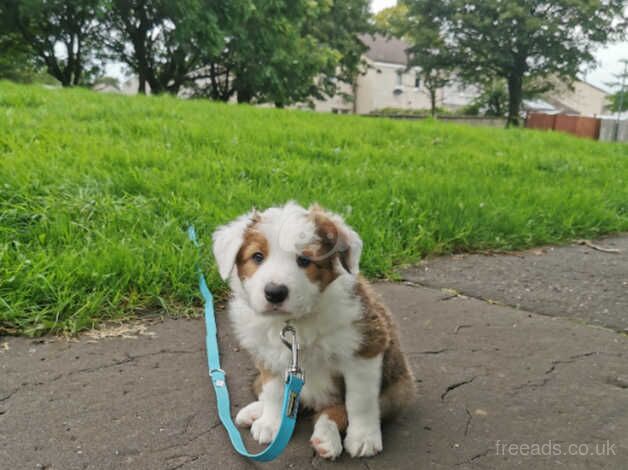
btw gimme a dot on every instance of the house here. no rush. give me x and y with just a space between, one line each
580 98
388 82
385 82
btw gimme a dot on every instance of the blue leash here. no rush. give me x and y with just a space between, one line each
294 380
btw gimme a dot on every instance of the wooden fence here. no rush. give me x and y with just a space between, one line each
581 126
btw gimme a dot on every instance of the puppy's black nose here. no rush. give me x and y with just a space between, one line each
275 293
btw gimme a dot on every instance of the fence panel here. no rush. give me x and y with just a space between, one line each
607 130
540 121
580 126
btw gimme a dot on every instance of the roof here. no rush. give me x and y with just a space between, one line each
383 49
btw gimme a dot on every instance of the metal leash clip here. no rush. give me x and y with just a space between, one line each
289 338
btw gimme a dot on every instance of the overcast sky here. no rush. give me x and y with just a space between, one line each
608 57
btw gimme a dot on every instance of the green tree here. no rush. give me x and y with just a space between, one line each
16 60
270 57
492 99
164 41
392 21
619 100
60 35
522 39
338 24
287 51
429 51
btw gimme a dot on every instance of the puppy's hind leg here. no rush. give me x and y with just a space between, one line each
329 423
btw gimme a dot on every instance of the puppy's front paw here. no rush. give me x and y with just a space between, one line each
247 415
265 429
326 438
363 442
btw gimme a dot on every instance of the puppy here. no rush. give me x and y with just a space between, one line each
292 264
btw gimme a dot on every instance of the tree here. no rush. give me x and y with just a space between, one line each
288 51
619 100
61 35
270 58
522 39
338 24
392 21
16 60
428 51
164 41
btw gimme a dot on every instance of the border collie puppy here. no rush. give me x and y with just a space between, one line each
289 264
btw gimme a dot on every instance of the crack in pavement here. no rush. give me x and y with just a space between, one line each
460 327
468 423
189 441
475 457
9 395
528 384
126 360
464 294
571 359
456 385
187 459
544 380
428 352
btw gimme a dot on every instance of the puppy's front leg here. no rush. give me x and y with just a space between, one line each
362 381
266 426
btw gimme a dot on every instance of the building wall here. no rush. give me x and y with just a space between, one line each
337 103
584 98
379 88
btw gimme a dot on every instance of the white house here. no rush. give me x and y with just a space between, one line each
388 83
385 82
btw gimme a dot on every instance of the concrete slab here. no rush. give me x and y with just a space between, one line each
488 375
574 281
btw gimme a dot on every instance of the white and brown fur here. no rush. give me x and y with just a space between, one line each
355 371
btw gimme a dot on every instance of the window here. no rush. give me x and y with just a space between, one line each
417 81
399 77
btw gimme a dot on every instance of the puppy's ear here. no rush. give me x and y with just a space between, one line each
346 242
227 240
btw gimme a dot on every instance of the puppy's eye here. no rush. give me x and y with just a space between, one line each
303 261
258 257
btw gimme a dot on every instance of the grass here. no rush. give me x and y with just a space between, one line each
96 191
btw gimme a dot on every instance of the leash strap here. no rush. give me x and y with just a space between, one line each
294 383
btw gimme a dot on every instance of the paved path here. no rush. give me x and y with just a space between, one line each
489 376
575 281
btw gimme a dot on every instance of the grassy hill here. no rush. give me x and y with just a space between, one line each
96 191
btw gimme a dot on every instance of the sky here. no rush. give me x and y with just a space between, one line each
607 57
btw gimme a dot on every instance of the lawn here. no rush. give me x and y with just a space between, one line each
96 191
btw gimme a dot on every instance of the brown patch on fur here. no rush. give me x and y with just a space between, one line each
253 242
330 236
337 413
321 270
264 376
379 335
330 246
375 324
397 396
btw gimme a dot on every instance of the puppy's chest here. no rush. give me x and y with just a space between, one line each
323 355
323 376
